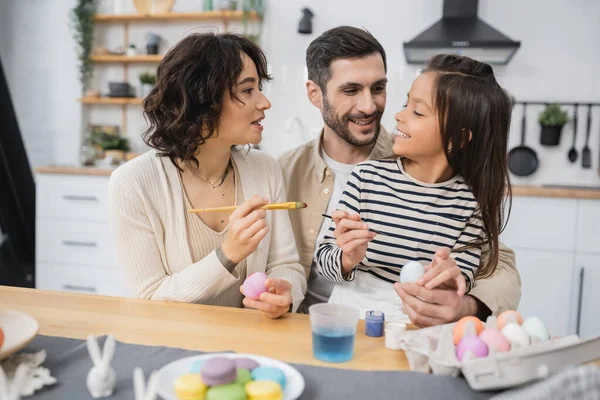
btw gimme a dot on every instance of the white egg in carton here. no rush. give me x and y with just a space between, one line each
433 350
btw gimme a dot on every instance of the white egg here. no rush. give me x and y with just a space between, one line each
411 272
516 335
536 328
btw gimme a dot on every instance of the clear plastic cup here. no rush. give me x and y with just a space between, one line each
333 331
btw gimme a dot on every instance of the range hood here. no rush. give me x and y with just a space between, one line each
461 32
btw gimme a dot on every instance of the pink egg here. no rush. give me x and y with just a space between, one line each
254 285
473 344
493 338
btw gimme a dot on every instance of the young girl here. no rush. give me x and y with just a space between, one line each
445 190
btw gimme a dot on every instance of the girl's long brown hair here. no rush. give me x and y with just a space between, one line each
474 117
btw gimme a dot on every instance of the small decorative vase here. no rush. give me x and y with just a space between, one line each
146 89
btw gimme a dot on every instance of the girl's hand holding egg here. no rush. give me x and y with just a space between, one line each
412 271
443 270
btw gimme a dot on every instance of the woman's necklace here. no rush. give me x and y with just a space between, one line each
221 180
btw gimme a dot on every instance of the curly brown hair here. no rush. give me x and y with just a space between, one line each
184 108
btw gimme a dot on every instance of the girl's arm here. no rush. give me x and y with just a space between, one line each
460 272
346 242
468 260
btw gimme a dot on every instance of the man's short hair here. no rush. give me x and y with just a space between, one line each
340 42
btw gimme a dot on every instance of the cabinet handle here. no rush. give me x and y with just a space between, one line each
80 288
580 299
78 244
80 198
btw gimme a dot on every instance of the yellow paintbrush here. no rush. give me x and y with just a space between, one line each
292 205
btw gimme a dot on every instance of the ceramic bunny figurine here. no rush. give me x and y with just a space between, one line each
12 390
101 378
141 391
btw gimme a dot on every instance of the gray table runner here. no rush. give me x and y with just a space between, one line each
69 363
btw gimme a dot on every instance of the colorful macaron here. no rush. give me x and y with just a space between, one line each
195 367
269 374
233 391
246 363
190 387
218 371
243 377
264 390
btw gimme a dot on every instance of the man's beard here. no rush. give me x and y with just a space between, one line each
340 125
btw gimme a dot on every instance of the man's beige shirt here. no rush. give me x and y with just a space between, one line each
308 179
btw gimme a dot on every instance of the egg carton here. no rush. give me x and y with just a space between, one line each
431 350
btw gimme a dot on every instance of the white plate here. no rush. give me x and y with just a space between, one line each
19 330
167 374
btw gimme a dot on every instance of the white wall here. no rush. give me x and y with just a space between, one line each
559 60
38 56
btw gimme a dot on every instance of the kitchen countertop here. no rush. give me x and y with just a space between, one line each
72 170
572 192
190 326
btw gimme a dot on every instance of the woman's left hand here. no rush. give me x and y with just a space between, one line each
276 301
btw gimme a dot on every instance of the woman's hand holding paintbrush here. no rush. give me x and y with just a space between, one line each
352 236
247 227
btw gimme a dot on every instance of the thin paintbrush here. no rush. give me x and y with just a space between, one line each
292 205
370 229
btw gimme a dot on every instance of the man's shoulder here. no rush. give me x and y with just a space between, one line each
303 150
299 155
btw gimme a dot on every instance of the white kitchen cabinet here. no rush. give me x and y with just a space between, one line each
588 226
541 223
547 287
91 280
73 197
587 311
75 242
74 249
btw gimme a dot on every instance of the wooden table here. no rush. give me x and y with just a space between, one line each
189 326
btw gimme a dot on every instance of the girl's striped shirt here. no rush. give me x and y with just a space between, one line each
413 220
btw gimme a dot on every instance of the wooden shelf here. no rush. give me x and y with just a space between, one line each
178 16
110 100
113 58
75 170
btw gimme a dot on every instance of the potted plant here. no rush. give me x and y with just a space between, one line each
552 120
148 81
115 149
108 140
249 6
82 26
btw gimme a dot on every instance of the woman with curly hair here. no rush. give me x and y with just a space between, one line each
206 105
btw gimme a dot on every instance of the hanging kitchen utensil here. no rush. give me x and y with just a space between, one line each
522 160
586 154
573 152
